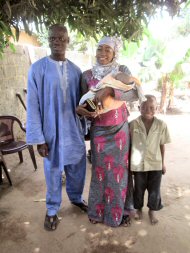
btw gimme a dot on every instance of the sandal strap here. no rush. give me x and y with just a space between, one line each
93 221
126 220
51 222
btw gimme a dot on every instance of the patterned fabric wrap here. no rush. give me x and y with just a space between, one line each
109 183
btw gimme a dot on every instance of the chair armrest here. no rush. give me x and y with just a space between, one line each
22 125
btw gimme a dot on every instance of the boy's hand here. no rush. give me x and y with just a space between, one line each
163 169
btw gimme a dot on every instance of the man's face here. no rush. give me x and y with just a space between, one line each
104 54
58 40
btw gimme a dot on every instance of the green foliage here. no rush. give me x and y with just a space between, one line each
42 37
187 55
5 35
177 74
130 48
88 17
77 41
157 58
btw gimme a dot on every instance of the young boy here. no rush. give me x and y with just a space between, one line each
148 136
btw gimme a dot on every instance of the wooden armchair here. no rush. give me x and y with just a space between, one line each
8 144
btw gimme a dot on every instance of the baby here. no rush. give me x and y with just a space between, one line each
121 81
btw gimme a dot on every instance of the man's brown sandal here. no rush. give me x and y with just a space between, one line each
51 222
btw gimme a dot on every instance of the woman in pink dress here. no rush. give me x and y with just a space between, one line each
110 197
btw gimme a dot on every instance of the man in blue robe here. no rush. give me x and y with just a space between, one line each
52 124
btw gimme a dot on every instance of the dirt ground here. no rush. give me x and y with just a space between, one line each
22 210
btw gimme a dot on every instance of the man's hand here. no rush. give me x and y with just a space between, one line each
43 149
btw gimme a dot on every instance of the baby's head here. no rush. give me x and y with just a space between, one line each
149 107
124 78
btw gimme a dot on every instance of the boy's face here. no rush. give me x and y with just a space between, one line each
148 109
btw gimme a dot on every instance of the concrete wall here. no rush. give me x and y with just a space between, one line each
13 79
13 75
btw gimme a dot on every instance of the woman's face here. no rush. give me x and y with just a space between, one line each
104 54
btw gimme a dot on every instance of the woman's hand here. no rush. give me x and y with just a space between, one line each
99 102
82 111
134 79
43 149
102 95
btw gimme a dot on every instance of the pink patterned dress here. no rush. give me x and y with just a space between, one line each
110 142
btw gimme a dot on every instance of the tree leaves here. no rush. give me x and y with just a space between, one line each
89 17
5 34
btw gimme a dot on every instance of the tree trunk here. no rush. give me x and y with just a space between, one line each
171 96
162 108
